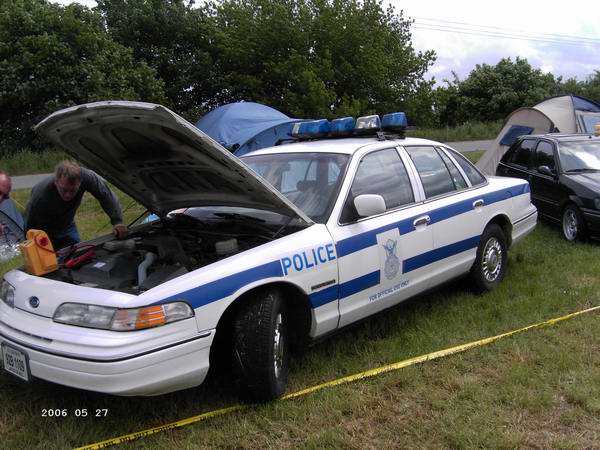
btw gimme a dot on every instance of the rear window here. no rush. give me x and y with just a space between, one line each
474 176
521 154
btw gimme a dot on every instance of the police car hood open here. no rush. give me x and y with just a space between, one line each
159 158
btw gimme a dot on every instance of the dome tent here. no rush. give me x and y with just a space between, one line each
562 114
245 126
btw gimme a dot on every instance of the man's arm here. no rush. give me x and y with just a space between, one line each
108 200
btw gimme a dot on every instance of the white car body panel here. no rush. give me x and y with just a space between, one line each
345 272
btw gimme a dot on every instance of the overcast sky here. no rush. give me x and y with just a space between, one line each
560 38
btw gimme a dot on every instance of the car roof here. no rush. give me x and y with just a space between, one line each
564 137
347 146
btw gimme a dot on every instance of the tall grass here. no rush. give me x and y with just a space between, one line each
467 132
27 162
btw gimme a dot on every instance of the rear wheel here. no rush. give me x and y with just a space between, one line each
489 267
261 347
572 224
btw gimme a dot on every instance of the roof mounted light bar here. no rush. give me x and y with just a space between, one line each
347 126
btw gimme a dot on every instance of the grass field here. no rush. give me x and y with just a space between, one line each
535 390
28 163
466 132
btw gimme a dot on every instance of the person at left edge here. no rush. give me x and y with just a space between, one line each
55 199
7 205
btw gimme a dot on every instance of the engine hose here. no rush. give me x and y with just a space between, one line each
142 268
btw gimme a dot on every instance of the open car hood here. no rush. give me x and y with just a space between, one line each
159 158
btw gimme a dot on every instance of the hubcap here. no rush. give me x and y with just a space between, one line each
278 346
570 224
492 259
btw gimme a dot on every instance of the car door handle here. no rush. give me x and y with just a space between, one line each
478 203
424 220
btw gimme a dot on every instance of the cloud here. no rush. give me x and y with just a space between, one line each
465 33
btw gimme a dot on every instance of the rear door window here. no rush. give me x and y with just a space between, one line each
434 174
469 169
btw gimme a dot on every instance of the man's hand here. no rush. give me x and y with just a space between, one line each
120 231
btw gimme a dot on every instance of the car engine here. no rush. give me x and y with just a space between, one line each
157 253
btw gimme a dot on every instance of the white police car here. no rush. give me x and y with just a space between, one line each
343 228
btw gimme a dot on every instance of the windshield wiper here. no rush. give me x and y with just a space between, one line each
581 170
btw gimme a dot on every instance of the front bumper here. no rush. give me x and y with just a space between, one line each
145 363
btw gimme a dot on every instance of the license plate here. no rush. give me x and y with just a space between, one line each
15 361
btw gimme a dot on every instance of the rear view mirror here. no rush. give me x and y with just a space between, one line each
545 170
369 205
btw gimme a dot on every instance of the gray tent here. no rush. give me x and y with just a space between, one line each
564 114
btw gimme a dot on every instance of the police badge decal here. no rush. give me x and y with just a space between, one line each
392 263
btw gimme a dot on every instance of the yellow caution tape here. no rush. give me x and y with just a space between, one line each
337 382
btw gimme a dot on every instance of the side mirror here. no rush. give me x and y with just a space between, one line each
545 170
369 205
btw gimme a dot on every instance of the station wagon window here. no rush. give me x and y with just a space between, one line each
544 155
521 155
433 172
469 169
383 173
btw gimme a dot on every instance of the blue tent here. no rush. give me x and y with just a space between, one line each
245 126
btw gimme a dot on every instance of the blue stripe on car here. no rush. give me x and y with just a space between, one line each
324 296
361 283
364 240
224 287
416 262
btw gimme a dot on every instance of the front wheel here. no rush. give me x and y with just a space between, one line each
489 267
261 347
572 224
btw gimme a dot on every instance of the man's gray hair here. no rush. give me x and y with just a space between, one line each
69 170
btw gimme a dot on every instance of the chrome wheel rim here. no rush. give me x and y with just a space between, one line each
570 224
492 259
278 345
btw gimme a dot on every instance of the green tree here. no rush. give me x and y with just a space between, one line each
588 88
319 58
492 92
176 40
52 57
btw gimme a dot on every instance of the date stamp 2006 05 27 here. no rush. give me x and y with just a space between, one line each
77 412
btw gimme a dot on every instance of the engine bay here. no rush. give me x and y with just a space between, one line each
159 252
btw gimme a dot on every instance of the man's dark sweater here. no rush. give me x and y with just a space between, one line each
47 211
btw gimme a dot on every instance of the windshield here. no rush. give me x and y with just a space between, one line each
309 180
580 155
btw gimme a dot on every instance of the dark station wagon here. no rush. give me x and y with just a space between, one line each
563 171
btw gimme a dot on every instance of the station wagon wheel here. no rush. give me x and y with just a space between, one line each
261 347
489 267
573 227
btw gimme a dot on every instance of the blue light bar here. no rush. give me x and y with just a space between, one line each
394 122
312 129
342 127
367 124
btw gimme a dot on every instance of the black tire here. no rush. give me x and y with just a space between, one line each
261 346
489 267
573 227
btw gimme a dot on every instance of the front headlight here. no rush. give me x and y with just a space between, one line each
7 293
107 318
